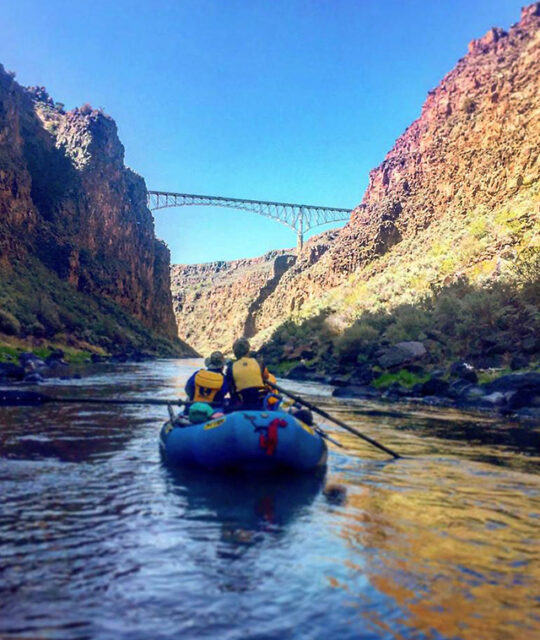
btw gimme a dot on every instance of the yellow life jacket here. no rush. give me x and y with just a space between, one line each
207 384
247 374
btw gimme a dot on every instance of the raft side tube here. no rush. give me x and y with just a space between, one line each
248 440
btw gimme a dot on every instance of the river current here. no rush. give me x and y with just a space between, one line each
100 539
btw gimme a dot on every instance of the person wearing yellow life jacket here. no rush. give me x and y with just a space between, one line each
245 378
208 385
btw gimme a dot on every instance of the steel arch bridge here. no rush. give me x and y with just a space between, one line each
299 217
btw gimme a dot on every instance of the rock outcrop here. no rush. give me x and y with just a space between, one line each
71 209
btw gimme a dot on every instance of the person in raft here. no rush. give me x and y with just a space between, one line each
208 385
246 378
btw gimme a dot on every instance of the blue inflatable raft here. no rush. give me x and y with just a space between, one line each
245 440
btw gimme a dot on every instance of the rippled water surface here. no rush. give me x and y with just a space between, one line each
99 539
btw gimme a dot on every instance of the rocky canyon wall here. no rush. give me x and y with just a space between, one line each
71 209
475 143
217 302
457 195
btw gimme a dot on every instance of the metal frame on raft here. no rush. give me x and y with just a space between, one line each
298 217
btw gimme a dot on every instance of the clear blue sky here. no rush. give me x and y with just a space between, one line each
287 100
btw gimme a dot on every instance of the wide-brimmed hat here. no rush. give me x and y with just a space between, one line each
215 360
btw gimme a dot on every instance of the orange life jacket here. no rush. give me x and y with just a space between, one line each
271 378
207 384
272 399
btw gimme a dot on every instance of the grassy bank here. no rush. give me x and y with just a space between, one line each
10 350
38 310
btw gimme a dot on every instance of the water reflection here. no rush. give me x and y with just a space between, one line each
244 506
446 434
454 550
77 433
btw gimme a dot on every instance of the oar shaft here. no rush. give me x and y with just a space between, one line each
337 421
22 398
90 400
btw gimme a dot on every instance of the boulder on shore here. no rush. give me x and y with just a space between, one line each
435 387
300 372
10 371
401 354
363 374
516 382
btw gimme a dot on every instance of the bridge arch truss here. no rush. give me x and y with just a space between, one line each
299 217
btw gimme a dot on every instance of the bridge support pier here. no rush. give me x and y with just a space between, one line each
300 232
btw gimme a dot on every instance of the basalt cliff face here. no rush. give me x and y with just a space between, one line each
457 196
217 302
476 144
75 228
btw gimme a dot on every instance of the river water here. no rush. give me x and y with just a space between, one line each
100 539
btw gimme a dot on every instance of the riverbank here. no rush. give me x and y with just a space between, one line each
500 393
25 362
514 396
463 345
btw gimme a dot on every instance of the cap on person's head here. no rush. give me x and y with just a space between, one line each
216 360
241 347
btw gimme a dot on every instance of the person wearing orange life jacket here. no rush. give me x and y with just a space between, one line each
272 399
208 385
245 378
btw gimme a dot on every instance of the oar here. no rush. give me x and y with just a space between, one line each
326 415
15 398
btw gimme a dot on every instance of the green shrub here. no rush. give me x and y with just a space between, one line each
454 321
44 305
409 322
72 322
9 323
8 354
360 339
47 315
526 273
478 227
283 367
36 329
403 377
